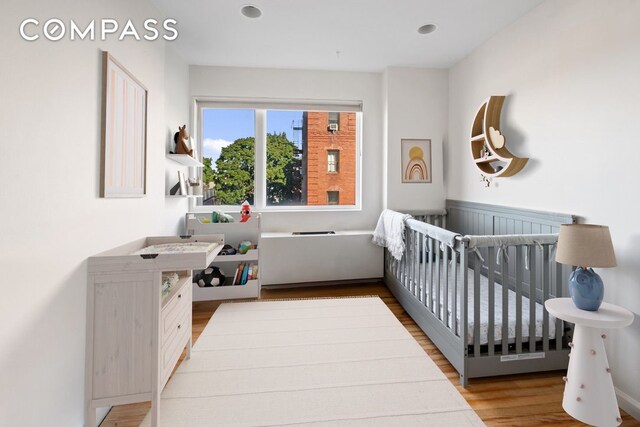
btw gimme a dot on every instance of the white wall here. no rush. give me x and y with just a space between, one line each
416 108
51 218
310 85
570 72
176 107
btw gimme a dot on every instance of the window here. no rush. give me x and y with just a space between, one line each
333 160
228 147
333 197
284 158
333 123
283 164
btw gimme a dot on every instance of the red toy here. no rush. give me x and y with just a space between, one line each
245 212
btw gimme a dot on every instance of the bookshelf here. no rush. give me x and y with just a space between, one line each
234 233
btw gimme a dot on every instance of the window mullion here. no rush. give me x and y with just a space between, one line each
260 175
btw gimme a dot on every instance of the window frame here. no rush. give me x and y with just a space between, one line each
260 107
337 198
331 120
336 162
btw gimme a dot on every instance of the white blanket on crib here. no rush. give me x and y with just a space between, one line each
390 232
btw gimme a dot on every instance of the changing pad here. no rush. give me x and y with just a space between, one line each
177 248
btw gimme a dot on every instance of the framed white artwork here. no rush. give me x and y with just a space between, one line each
124 132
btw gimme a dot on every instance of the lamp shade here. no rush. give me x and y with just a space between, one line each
585 245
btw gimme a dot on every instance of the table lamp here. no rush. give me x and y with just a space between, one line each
585 246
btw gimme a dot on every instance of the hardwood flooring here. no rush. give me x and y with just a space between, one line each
515 400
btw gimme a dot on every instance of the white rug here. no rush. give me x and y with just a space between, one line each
338 362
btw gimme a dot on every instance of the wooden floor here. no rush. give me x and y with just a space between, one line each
515 400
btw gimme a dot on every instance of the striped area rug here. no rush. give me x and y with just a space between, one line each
338 362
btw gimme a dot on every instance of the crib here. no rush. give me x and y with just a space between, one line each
474 277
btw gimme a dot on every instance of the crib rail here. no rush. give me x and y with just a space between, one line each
454 277
437 217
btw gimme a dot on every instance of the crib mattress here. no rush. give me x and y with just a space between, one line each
498 319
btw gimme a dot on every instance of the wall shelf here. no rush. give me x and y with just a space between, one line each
488 144
179 196
184 159
487 159
181 160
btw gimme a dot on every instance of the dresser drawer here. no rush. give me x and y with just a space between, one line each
175 329
172 313
173 346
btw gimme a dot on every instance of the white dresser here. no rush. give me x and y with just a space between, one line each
135 336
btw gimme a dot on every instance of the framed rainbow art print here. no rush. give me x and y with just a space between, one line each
416 160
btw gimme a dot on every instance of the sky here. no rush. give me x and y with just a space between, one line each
222 127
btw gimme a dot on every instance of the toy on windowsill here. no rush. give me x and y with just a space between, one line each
181 139
245 212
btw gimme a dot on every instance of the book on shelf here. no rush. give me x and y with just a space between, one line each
245 273
238 275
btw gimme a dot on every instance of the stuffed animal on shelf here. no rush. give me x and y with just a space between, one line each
181 139
245 212
218 216
212 276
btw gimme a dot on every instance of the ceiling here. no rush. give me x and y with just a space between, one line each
357 35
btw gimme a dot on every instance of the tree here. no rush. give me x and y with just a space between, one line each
283 171
207 171
234 174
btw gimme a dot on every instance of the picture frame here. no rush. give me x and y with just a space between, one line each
183 184
124 132
416 161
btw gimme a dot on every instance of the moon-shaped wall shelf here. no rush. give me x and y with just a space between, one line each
488 147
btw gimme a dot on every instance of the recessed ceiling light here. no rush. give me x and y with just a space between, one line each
251 11
428 28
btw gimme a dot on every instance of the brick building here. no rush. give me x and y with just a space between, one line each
329 158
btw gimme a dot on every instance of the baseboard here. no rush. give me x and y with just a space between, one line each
628 404
325 283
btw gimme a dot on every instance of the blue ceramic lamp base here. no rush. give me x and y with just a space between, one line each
586 289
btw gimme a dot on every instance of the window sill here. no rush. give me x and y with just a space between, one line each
278 209
307 209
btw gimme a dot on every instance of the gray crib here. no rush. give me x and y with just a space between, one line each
475 277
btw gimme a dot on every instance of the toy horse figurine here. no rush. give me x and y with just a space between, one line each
181 138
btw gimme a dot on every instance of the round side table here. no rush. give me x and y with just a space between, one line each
589 395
